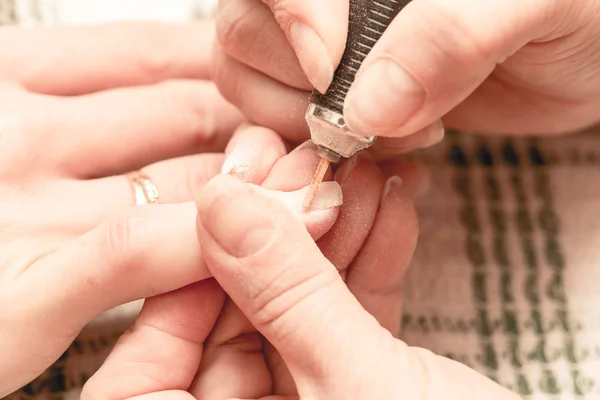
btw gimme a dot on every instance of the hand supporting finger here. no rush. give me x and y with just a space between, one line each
332 346
142 362
376 274
361 184
306 283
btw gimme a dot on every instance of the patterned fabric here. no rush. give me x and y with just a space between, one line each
505 278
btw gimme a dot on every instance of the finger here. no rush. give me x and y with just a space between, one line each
272 269
448 49
248 32
142 361
258 155
77 60
317 31
252 152
176 181
137 126
262 100
383 302
146 251
233 365
376 274
416 178
361 184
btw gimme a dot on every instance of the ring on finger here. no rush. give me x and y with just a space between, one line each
144 189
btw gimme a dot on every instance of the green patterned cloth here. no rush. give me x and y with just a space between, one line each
505 278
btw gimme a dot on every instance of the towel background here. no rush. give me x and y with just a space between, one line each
507 273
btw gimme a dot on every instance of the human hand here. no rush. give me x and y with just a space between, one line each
181 347
317 339
78 108
494 66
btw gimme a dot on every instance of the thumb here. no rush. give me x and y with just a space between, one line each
435 54
261 254
317 31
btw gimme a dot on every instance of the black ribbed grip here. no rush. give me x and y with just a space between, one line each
368 20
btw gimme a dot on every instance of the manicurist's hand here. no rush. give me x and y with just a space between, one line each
201 342
493 66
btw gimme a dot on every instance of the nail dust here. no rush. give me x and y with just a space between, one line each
239 161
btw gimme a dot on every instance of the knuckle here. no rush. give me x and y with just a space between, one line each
234 21
219 67
119 241
228 78
289 290
91 391
150 61
13 140
197 103
468 46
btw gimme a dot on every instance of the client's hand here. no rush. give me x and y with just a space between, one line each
78 108
196 343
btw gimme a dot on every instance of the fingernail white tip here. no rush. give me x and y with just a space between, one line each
394 181
436 133
329 195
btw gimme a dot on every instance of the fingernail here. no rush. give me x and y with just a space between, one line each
436 133
239 161
392 182
346 169
328 195
383 97
313 55
238 219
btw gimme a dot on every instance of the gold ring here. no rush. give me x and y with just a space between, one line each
144 189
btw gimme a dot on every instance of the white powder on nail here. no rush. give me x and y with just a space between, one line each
240 160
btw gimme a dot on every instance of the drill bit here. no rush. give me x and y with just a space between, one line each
316 181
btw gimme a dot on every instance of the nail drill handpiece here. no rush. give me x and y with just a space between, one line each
368 20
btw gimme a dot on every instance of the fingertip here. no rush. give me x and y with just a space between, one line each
416 177
395 193
252 153
324 209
